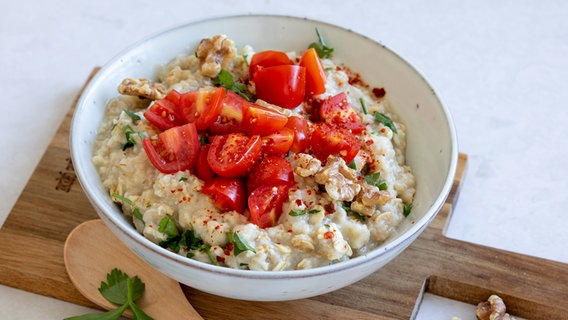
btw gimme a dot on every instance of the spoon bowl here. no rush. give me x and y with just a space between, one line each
92 250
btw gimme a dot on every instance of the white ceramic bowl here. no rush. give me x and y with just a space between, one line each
431 151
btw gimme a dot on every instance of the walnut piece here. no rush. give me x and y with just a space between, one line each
368 197
492 309
340 181
142 88
306 165
214 54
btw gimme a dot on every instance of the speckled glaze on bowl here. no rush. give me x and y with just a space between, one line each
431 151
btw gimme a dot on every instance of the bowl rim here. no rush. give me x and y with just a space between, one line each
105 204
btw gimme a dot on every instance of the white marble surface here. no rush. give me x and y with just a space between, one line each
500 66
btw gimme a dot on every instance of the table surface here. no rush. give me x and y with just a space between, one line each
499 66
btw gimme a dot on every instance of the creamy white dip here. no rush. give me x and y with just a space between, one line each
334 229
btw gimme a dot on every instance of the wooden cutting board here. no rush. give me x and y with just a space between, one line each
53 203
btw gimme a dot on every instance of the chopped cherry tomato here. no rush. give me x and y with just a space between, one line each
163 114
268 58
265 204
175 149
173 96
227 193
271 170
279 142
234 154
202 106
301 133
231 115
315 74
337 111
327 140
202 169
283 85
260 120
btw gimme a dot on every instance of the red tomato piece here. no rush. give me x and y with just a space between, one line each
173 96
260 120
202 169
230 116
301 133
265 204
234 155
163 114
228 194
202 107
271 170
315 74
283 85
279 142
268 58
175 149
327 140
337 111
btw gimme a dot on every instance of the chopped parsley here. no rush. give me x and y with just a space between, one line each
386 121
135 211
225 79
123 291
128 133
374 179
239 244
321 47
363 105
301 212
406 209
132 115
182 179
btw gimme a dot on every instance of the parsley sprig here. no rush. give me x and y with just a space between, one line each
321 47
225 79
123 291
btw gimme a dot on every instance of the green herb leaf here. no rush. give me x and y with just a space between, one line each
296 213
136 213
128 132
374 179
115 289
359 217
122 290
386 121
225 79
321 48
123 199
406 209
363 105
109 315
132 115
168 227
352 165
240 245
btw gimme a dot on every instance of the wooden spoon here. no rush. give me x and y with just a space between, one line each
92 250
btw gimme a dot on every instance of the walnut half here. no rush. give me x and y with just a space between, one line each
142 88
492 309
214 54
340 181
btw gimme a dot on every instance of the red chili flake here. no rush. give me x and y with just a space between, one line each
369 142
220 259
383 130
379 92
298 202
328 235
217 227
290 231
309 192
228 249
329 208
